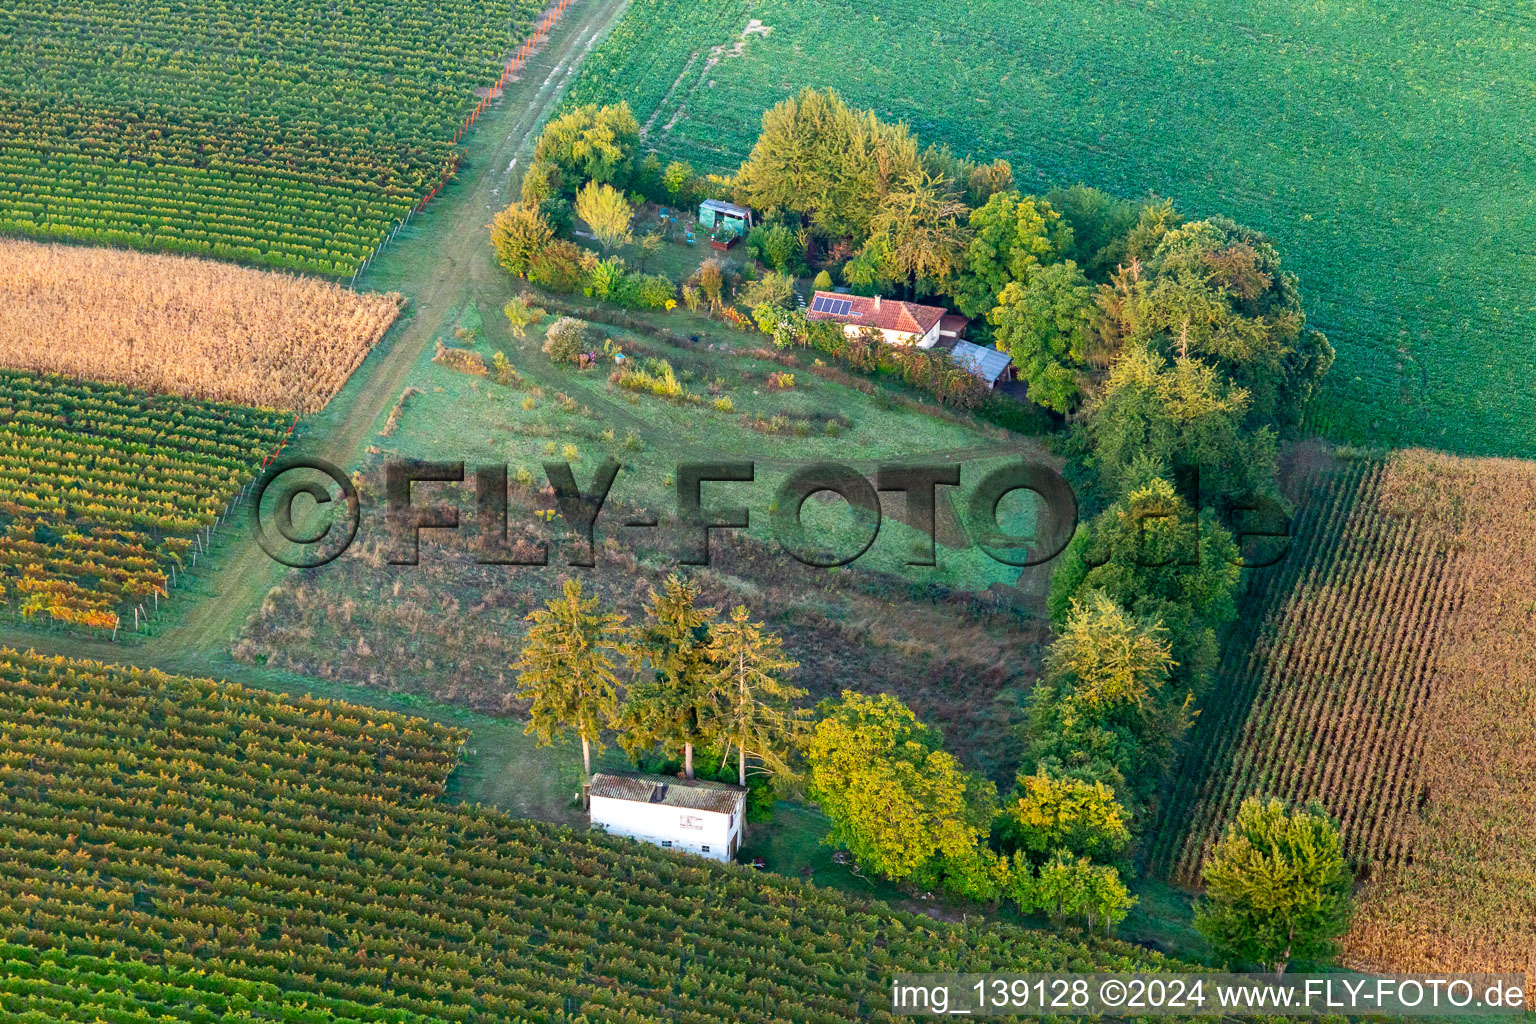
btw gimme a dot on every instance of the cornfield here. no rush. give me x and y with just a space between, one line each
1391 680
186 326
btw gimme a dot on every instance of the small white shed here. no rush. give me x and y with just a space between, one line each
698 817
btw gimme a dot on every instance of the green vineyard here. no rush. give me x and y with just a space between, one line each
176 849
105 491
293 134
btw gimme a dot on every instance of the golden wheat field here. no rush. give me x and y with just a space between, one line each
1393 679
186 326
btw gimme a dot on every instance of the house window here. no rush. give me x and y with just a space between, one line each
667 843
692 821
703 849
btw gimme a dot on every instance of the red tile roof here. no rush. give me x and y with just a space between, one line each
954 323
883 314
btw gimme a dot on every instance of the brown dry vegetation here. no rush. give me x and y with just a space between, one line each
190 327
1394 680
449 628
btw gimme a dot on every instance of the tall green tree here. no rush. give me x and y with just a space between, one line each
606 212
1216 291
1049 813
1046 325
666 707
1107 708
920 223
898 802
1152 555
1010 236
833 166
569 670
1185 417
748 706
589 143
680 181
1276 886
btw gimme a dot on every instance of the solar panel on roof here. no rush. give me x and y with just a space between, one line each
843 306
821 305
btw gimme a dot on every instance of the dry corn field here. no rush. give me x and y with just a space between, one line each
1393 679
185 326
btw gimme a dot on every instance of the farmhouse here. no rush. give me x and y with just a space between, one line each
901 323
703 818
989 364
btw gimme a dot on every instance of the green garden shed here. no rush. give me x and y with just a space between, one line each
722 218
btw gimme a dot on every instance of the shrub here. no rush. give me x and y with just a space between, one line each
506 374
521 314
519 234
566 341
656 291
461 359
558 267
823 282
724 404
775 245
606 279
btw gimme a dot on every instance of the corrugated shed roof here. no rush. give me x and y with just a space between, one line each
885 314
986 363
721 206
696 794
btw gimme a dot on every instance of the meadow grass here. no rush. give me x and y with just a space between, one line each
1384 147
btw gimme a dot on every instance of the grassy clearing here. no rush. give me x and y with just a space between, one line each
449 628
1382 147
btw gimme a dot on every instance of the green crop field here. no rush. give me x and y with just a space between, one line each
1385 147
292 133
178 849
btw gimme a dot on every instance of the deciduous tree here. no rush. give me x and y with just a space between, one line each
606 212
901 805
1050 813
1010 236
1276 886
1045 325
519 234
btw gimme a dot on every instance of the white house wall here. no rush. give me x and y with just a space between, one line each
663 824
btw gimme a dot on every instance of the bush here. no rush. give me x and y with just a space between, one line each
519 234
606 280
520 315
776 246
558 267
567 340
656 291
823 282
461 359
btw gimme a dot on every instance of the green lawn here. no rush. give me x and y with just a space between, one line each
458 415
1386 147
